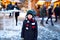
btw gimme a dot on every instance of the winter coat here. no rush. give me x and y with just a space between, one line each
56 10
50 11
10 7
17 13
59 11
42 11
29 30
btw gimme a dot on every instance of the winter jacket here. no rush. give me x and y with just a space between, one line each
17 13
10 7
50 11
56 10
43 11
29 30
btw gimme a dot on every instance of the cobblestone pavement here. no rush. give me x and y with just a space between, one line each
8 30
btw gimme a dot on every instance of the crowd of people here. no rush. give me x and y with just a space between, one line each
43 12
49 12
12 7
29 28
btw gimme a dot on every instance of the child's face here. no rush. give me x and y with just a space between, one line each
29 16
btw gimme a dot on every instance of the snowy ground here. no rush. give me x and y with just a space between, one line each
9 31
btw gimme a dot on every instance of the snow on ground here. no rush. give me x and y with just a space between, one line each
12 32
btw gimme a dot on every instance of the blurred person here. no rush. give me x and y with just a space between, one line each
16 13
56 11
38 6
29 29
59 11
50 13
10 7
43 13
38 10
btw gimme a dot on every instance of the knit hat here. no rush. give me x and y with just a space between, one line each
29 12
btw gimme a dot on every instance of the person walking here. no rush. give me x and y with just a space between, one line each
10 7
43 13
50 15
16 13
56 11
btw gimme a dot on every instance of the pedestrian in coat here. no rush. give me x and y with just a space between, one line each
56 11
59 10
29 29
50 15
42 14
10 7
16 13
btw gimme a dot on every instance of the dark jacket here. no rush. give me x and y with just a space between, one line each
29 30
10 7
50 11
17 13
56 10
43 11
59 10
